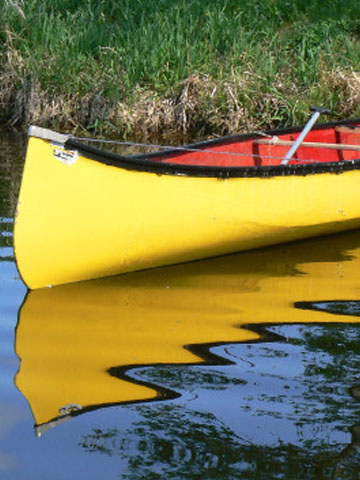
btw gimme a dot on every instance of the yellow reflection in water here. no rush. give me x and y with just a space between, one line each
69 336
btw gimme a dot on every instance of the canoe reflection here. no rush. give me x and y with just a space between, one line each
79 343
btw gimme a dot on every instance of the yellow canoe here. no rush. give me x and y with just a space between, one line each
85 213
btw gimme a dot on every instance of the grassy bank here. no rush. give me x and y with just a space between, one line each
177 68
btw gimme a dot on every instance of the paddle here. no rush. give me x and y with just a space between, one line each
317 112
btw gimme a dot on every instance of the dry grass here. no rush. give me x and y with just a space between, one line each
203 107
345 86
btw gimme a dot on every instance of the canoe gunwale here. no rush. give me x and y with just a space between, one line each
145 164
159 162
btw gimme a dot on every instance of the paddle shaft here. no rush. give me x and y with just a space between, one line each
301 137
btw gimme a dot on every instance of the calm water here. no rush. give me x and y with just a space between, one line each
241 367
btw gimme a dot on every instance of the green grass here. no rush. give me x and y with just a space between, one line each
177 67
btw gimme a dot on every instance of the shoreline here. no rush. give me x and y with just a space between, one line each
191 116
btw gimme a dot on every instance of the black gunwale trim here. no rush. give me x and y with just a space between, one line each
145 162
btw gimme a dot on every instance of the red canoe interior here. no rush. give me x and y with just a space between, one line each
263 150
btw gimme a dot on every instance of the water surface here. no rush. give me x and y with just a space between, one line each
239 367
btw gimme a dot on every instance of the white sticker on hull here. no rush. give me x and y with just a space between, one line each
68 157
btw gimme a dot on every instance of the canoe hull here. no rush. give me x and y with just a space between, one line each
86 219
